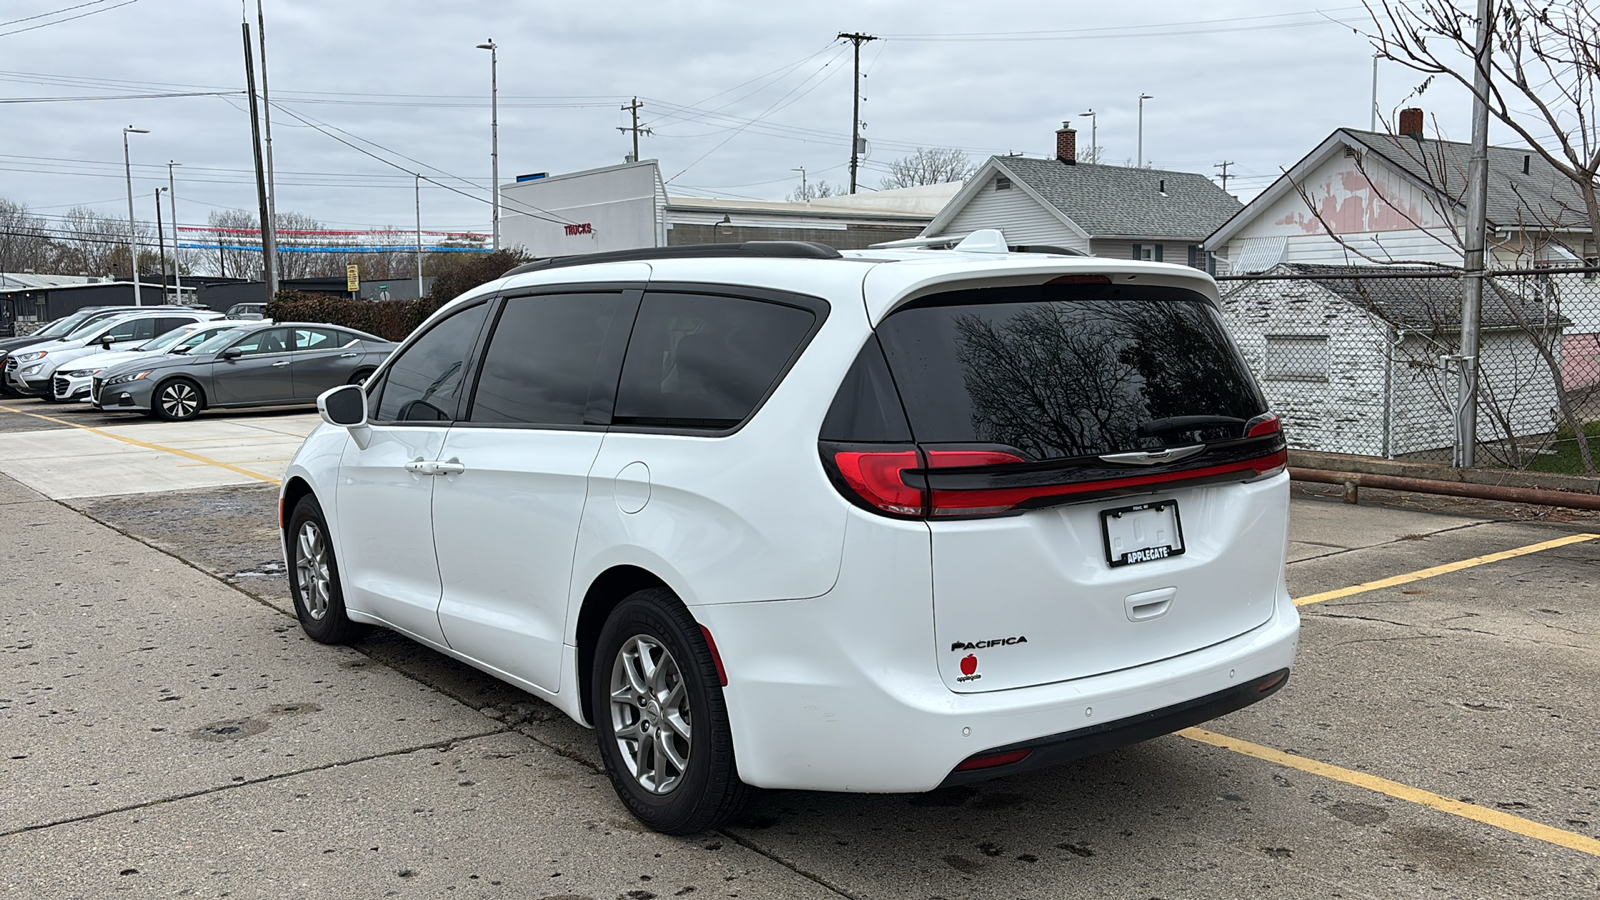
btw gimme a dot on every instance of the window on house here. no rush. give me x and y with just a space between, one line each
1297 357
1148 252
1002 183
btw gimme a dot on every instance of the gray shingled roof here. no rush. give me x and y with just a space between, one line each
1425 301
1127 202
1543 198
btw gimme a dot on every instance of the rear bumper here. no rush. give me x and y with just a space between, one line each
1061 748
843 693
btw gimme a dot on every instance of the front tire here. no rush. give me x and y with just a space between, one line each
314 578
660 717
178 400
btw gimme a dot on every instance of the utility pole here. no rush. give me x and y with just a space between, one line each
419 236
270 226
1374 125
177 270
1142 98
803 194
634 107
1224 167
269 249
133 225
161 244
857 39
1477 204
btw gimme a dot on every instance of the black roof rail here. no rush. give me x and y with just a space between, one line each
1045 248
748 249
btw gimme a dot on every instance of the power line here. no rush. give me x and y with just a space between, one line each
91 12
1150 30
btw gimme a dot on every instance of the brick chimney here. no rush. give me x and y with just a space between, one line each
1411 123
1067 144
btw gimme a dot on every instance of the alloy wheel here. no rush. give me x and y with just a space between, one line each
179 400
311 570
650 714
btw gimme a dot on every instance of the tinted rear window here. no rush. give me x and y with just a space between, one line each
1059 371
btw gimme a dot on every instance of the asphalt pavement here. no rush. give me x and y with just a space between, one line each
165 729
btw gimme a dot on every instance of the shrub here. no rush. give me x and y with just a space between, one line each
453 283
389 319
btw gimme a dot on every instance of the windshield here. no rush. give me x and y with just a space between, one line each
1061 371
193 339
219 342
62 326
166 340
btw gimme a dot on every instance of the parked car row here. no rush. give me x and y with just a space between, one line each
174 362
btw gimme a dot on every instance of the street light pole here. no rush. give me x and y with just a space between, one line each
494 129
172 202
161 244
133 233
1142 98
1094 134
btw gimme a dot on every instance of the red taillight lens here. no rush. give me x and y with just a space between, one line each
992 760
878 478
1080 279
1263 425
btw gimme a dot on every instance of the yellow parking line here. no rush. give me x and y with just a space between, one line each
1492 817
1444 569
149 446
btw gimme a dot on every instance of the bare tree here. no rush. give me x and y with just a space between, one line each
236 233
25 244
937 165
1544 79
813 190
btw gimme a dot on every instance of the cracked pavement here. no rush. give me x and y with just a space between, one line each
166 730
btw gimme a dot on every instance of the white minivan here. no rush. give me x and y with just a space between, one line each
774 516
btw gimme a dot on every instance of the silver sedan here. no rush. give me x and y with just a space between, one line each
276 364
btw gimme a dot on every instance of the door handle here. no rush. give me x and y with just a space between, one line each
452 466
281 362
419 466
348 355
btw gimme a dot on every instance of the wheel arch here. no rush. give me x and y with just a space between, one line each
295 489
605 593
155 392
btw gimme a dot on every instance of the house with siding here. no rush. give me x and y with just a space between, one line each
1352 361
1112 211
1375 198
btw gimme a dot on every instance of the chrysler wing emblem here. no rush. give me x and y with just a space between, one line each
1152 457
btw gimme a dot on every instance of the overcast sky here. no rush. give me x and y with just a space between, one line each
738 94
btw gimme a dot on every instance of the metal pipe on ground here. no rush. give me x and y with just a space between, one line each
1539 496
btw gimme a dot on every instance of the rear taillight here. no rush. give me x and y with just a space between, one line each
904 480
989 761
1263 425
878 477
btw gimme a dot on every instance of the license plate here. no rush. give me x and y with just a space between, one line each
1143 533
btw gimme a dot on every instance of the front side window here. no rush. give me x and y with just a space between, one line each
704 361
424 382
131 330
271 340
542 360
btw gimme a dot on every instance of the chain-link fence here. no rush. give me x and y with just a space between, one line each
1365 360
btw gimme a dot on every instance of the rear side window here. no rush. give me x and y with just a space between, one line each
424 382
705 361
1061 371
542 359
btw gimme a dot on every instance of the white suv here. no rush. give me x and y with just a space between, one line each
768 515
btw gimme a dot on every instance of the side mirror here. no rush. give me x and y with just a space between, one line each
105 342
232 353
345 406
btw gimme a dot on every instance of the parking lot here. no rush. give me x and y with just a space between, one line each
167 730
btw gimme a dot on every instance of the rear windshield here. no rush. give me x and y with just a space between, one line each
1057 371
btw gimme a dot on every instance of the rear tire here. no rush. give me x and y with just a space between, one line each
360 377
314 578
178 400
659 714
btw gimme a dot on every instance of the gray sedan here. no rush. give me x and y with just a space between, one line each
277 364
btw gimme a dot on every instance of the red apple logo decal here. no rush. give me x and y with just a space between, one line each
969 664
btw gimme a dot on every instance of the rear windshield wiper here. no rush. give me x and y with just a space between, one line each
1184 423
